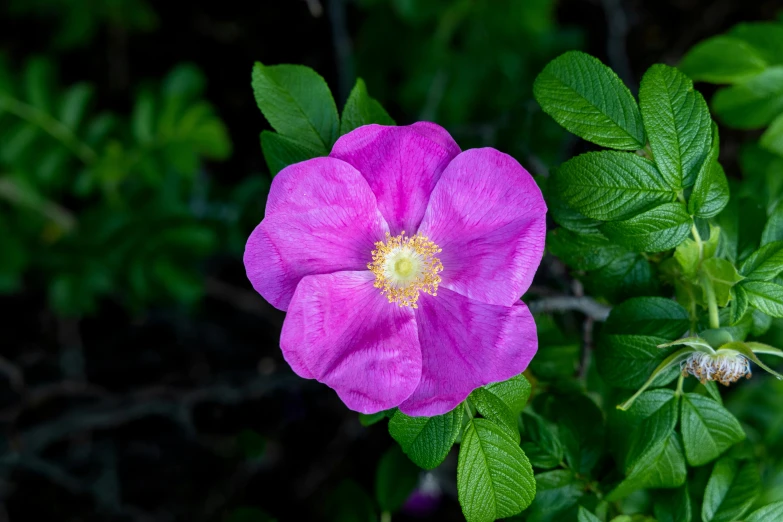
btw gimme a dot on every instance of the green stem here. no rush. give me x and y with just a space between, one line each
712 303
699 242
50 125
679 384
467 409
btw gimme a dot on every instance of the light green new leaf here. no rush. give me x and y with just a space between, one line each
722 59
656 316
677 122
494 477
655 230
731 490
772 139
626 361
773 230
361 109
708 429
710 192
281 151
395 479
491 407
751 104
765 263
298 104
722 275
611 185
766 296
514 392
426 440
589 100
768 513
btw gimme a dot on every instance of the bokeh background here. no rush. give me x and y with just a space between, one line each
140 375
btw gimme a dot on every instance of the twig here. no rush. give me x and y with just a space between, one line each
343 50
586 305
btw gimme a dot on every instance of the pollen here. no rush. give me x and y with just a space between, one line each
404 266
724 367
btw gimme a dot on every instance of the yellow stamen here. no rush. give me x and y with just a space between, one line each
404 266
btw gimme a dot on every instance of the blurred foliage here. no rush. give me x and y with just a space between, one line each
100 203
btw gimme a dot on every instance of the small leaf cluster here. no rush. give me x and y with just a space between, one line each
99 204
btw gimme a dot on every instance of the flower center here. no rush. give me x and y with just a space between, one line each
725 367
404 266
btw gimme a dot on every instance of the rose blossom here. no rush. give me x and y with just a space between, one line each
401 262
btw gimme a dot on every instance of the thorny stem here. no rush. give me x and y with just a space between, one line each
50 125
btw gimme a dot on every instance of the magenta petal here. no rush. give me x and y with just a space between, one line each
342 332
401 164
466 344
321 217
488 216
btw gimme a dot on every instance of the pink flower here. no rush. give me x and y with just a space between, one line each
401 262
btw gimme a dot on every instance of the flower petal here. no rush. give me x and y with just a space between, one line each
401 164
342 332
488 216
466 344
321 217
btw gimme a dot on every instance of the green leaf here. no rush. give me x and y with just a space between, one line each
544 448
731 490
658 229
661 467
349 503
583 448
610 185
626 361
739 304
361 109
677 122
74 105
652 433
722 276
586 516
298 104
766 296
492 408
426 440
582 251
769 512
674 506
514 392
395 479
708 429
629 275
494 477
589 100
280 151
765 263
765 37
751 104
710 192
722 59
556 492
373 418
773 230
656 316
772 139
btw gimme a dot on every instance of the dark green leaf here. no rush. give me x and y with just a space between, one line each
765 263
658 229
773 230
395 479
626 361
753 103
543 446
74 104
611 185
588 99
766 296
426 440
677 122
765 37
731 490
586 516
361 109
710 193
298 104
582 251
772 139
768 513
373 418
494 478
349 503
280 151
656 316
661 467
674 506
739 303
708 429
556 492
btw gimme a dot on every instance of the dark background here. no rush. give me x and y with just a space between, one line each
187 411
